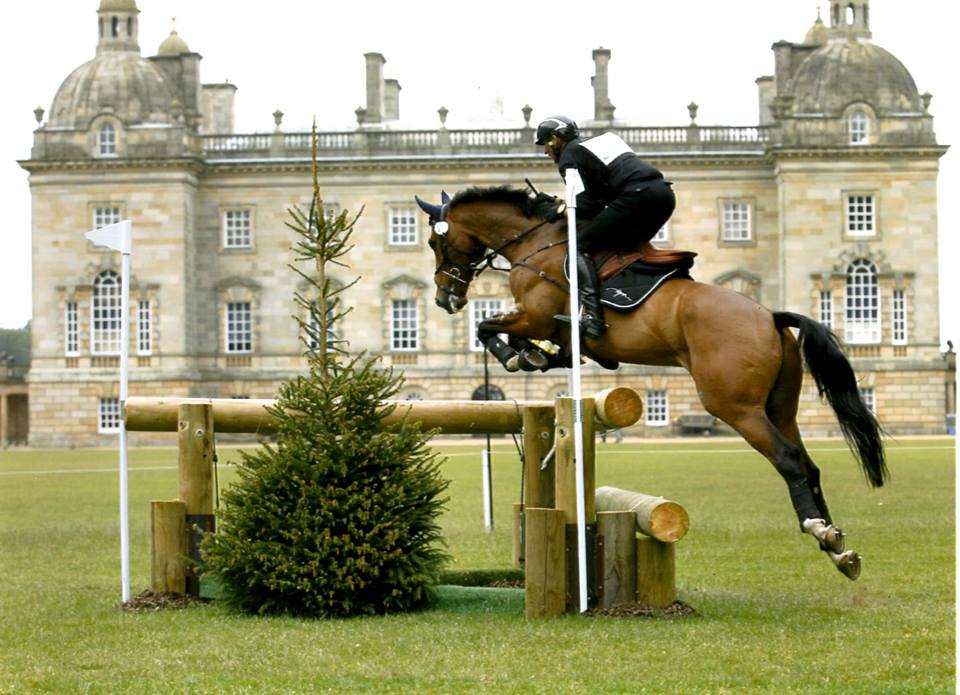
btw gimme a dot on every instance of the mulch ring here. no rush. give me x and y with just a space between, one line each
153 601
678 609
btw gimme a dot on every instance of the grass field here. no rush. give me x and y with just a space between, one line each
774 615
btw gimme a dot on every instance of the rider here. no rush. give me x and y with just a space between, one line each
624 195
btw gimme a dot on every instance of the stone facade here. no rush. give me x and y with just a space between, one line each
799 212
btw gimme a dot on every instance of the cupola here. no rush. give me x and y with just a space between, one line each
117 21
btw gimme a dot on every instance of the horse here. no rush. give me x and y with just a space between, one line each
746 364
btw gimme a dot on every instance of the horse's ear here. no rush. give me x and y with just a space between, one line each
432 210
444 198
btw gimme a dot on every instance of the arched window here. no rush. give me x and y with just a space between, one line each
130 27
114 23
107 140
858 127
862 303
105 336
482 393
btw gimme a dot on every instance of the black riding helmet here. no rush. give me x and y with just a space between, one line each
561 126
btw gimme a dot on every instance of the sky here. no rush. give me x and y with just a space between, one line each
306 59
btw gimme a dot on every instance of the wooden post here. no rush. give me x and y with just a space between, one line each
656 573
538 438
197 454
545 588
518 535
168 547
618 530
658 517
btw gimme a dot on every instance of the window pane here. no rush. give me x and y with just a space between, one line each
239 333
862 311
71 330
899 318
858 128
105 216
144 342
108 415
826 308
736 221
656 408
105 314
860 221
237 229
403 329
107 140
403 226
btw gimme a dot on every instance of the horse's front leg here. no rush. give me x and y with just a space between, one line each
518 353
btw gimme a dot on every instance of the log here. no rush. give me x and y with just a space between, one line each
656 573
660 518
168 547
545 588
621 406
618 530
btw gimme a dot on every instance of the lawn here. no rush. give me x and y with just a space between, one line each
774 615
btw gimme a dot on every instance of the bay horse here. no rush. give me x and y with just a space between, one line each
747 365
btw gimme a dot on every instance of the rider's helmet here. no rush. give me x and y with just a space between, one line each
564 128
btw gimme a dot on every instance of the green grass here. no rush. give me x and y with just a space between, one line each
775 617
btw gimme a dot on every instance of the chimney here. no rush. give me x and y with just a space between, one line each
391 100
375 87
602 108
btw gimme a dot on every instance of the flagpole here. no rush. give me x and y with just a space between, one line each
118 237
574 186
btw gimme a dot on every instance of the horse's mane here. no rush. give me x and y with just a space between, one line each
518 197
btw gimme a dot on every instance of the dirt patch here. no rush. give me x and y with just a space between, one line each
678 609
153 601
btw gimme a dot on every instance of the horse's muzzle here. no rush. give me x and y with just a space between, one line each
451 303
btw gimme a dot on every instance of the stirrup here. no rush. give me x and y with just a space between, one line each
590 326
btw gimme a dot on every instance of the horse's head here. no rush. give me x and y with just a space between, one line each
455 253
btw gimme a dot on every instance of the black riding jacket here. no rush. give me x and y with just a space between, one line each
608 168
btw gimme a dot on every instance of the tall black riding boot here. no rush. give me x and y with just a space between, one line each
591 317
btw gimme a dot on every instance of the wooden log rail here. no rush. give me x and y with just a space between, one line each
616 407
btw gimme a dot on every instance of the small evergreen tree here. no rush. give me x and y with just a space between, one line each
340 516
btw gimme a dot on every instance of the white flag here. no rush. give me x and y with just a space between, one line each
114 236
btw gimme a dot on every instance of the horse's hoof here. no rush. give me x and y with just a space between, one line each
832 540
848 563
532 361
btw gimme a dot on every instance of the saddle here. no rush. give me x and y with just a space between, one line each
611 263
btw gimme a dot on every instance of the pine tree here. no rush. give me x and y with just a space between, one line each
340 516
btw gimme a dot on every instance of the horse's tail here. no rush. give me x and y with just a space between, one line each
835 379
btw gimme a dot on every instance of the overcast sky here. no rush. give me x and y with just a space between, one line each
306 58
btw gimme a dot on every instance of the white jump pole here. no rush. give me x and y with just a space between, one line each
575 186
118 238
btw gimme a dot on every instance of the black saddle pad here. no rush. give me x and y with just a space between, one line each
631 287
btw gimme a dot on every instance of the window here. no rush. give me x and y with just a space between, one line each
403 328
144 342
71 330
860 215
403 226
826 308
862 303
107 141
663 234
656 408
108 415
869 398
858 128
237 229
735 223
103 217
899 318
105 310
479 310
239 333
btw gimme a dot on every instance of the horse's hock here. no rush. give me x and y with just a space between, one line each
631 536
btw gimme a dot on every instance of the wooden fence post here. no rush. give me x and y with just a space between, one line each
168 552
545 586
618 530
197 455
656 572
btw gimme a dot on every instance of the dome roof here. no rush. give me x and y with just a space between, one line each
818 33
118 6
130 86
173 45
844 71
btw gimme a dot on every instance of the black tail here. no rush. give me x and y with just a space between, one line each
835 379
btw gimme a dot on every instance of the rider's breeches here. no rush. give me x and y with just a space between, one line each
639 213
